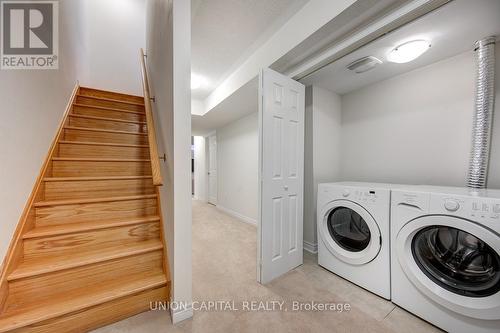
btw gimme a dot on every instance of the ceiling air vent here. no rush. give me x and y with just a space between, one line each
364 64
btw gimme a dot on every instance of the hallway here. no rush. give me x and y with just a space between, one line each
224 265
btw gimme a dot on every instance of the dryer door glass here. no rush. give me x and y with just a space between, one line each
348 229
457 261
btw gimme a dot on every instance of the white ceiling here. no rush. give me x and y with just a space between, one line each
226 32
241 103
452 29
358 15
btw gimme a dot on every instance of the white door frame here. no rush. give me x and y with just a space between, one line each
212 199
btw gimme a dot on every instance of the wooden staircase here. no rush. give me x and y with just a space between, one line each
89 249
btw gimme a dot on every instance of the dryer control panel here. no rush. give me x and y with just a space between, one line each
364 196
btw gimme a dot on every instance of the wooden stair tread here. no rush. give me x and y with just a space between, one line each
111 100
43 265
91 129
108 108
69 179
76 115
90 143
92 200
79 300
110 92
54 230
97 159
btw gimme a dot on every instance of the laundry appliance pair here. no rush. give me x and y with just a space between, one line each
434 251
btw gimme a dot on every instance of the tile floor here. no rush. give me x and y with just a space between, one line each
224 268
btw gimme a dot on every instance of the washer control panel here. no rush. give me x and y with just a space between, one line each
480 209
484 209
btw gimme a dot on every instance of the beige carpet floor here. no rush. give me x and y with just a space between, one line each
224 269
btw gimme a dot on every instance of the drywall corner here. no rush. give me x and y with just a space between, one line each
168 31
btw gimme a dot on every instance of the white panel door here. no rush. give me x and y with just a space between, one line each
281 112
212 169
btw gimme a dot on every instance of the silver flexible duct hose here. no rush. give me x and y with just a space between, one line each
484 104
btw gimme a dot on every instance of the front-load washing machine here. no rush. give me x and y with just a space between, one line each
445 260
354 233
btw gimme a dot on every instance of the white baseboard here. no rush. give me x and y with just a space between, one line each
237 215
311 247
181 314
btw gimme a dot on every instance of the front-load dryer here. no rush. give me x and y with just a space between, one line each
354 233
446 256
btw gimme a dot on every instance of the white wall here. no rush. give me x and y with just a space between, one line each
169 67
33 103
200 171
114 31
237 167
414 128
322 152
494 171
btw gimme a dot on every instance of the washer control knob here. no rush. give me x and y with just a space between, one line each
345 193
451 205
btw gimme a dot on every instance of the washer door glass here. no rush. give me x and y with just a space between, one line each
457 261
348 229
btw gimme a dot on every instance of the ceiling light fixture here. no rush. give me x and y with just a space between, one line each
197 81
408 51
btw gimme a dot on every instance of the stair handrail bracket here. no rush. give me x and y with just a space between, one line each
153 147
